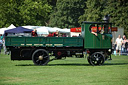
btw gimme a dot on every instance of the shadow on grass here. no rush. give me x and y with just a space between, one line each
25 65
105 64
73 64
116 64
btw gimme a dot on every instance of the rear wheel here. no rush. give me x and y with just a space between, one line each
97 58
40 57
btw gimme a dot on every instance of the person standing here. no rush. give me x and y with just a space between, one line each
34 33
123 37
4 47
55 34
118 43
1 37
1 44
124 46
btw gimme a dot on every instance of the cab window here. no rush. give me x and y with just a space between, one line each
100 28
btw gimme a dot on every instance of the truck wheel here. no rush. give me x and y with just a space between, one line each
97 58
40 57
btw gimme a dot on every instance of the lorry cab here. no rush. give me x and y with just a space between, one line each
100 41
97 41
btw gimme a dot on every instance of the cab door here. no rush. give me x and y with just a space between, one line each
97 41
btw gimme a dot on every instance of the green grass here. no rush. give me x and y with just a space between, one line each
71 71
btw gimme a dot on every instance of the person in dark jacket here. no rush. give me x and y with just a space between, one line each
34 33
54 34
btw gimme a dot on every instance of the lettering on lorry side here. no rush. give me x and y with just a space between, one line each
29 44
14 44
58 44
22 44
48 44
38 44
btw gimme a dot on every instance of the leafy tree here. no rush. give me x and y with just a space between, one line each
93 11
24 12
118 9
34 12
52 2
96 9
8 13
66 13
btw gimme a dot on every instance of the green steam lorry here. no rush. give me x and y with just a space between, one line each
39 49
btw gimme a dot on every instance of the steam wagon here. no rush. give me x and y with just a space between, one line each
39 49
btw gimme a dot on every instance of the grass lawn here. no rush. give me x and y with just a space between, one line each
71 71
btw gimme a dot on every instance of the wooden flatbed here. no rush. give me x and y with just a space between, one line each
45 41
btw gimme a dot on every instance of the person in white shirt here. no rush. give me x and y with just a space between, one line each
118 43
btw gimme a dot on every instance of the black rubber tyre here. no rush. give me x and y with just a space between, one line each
97 58
40 57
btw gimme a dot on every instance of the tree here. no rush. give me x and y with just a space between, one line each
8 12
66 13
24 12
93 11
35 12
118 9
52 2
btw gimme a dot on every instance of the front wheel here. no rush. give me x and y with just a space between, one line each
40 57
97 58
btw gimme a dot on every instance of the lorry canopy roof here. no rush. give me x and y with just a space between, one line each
19 30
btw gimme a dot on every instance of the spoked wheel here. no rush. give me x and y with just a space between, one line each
40 57
97 58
